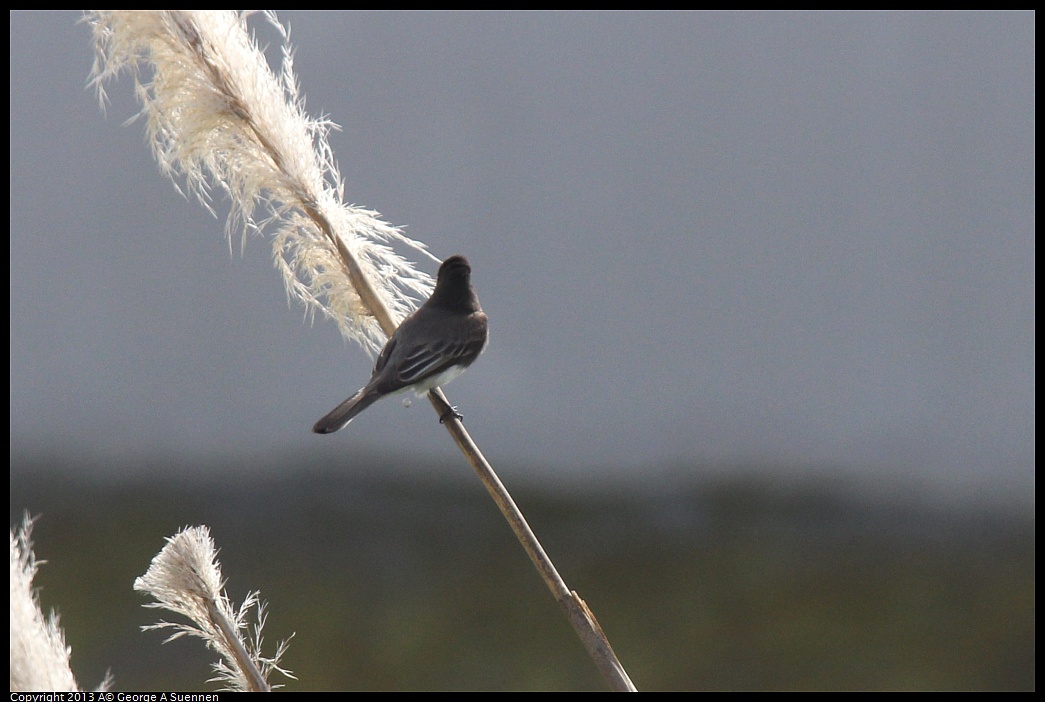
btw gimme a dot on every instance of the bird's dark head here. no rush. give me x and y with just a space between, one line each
455 267
453 287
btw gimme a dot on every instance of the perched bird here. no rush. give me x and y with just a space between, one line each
431 347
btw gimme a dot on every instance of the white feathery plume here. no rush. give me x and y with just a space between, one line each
185 577
219 117
39 656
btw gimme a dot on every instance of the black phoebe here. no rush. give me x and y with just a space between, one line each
431 347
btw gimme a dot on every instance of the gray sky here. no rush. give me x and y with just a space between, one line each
771 240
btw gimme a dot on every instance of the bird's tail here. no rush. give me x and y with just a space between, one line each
346 411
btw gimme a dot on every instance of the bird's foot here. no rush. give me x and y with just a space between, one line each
452 412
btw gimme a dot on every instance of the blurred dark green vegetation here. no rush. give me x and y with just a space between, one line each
418 584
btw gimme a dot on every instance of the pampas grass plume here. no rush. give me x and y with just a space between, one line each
185 578
39 656
218 117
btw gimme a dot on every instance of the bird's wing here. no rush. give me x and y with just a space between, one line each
430 359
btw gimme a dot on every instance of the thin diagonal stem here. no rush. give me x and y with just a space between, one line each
254 678
577 612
